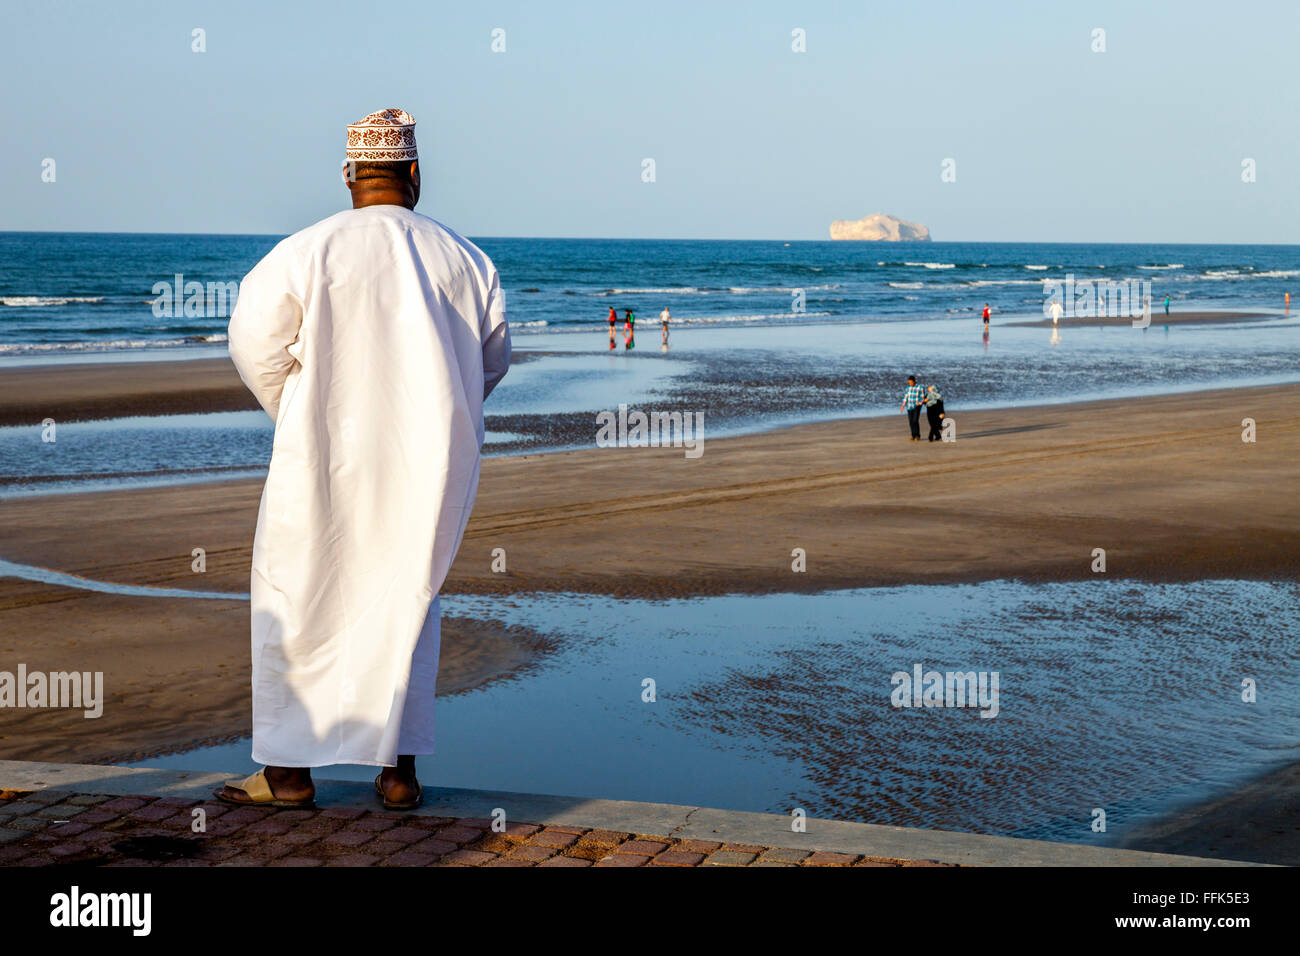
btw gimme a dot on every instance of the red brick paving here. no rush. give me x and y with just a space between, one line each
52 827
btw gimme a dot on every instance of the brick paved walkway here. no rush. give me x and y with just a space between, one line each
44 828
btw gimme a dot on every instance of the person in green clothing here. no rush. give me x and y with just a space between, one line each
1166 305
629 342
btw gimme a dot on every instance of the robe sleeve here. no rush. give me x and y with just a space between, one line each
266 321
495 336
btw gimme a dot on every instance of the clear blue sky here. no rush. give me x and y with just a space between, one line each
751 140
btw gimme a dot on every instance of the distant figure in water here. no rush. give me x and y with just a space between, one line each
1166 305
934 413
986 316
613 321
629 342
663 319
1288 303
1056 312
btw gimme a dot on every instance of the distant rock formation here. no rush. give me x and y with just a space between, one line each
880 228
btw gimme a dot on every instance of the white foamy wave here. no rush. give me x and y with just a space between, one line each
906 285
932 265
1038 268
980 283
724 319
1173 265
528 325
1232 275
676 290
748 290
41 300
112 345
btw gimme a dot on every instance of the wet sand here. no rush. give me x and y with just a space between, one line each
176 671
85 392
99 390
1164 484
1259 822
1158 318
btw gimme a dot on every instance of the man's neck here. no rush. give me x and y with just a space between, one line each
382 197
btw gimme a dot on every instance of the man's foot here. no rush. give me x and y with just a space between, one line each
398 785
289 786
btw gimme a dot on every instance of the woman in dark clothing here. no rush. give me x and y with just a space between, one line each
934 413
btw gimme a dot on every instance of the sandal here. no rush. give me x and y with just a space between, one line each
395 804
260 794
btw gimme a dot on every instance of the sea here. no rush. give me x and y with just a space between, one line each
763 334
63 293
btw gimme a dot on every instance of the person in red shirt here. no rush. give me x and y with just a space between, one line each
613 321
986 315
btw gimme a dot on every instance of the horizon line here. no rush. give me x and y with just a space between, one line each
872 242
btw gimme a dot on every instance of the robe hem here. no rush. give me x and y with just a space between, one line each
337 762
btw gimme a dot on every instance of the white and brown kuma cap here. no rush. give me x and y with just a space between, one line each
386 136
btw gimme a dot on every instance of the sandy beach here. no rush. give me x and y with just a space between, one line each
1162 484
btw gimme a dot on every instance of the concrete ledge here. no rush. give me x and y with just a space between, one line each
660 819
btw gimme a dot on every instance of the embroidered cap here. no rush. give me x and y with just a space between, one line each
386 136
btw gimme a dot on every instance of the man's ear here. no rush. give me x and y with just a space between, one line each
415 173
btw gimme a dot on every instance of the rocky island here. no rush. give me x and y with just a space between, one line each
880 227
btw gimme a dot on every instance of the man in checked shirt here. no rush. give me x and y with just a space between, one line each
913 401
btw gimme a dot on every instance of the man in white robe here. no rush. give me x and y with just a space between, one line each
372 339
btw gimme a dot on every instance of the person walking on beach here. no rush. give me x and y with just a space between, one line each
987 313
934 413
1166 305
663 320
613 321
372 339
629 340
913 399
1056 311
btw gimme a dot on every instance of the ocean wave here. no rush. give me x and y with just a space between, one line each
932 265
750 290
1038 268
906 285
113 345
707 290
724 319
1173 265
1231 276
652 327
42 300
675 290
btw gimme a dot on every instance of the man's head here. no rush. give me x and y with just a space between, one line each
382 162
375 183
911 380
